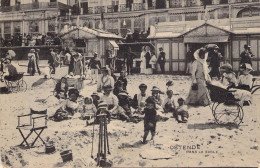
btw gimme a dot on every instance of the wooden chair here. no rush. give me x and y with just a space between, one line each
36 120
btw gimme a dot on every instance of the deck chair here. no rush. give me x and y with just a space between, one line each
33 122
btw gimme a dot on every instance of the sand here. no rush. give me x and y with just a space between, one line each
199 142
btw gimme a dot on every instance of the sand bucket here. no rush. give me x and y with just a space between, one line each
66 155
49 149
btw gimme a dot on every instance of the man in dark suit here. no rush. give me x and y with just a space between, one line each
162 60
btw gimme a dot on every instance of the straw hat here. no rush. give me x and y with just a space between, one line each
246 66
95 94
123 93
155 88
226 66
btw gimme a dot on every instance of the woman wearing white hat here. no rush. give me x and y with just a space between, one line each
198 94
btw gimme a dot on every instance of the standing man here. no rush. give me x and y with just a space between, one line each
246 55
51 61
94 65
37 56
215 58
162 60
129 59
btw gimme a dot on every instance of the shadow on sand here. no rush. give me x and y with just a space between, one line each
203 126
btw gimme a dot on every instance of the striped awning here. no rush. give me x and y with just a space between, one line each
186 11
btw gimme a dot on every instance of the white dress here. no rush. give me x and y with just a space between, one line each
143 63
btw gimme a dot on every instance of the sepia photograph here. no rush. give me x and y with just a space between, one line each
129 83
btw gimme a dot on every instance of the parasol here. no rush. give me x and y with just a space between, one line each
211 46
11 53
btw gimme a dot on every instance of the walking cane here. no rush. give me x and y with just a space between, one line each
92 141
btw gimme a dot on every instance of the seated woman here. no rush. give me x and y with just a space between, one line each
9 69
69 108
245 78
61 87
228 79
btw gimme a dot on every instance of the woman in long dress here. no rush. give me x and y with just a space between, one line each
148 57
31 63
143 61
199 94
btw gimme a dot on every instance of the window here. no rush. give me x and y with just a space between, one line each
112 25
129 4
175 18
175 3
139 24
51 25
191 16
124 25
33 27
5 2
17 28
7 30
223 13
223 2
191 3
160 4
88 24
84 6
115 5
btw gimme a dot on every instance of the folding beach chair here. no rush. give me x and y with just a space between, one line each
36 120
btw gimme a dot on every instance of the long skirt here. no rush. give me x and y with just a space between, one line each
189 68
31 68
199 97
143 67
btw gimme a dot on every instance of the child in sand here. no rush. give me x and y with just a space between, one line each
181 113
89 109
149 118
168 104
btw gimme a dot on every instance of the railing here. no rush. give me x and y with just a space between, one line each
243 1
138 6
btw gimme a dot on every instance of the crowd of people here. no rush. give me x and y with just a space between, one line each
111 96
30 40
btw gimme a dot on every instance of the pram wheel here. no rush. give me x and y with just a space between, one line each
22 85
228 112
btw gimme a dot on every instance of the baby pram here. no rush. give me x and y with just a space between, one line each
15 83
225 107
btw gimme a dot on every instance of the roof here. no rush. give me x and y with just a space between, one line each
205 24
95 32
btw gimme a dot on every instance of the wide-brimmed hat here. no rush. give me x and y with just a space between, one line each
247 46
246 66
102 105
160 48
37 49
142 85
226 66
155 88
73 91
108 87
95 94
32 50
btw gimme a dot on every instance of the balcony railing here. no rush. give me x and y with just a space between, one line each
90 10
31 6
112 8
138 6
243 1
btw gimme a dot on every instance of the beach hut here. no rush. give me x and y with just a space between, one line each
90 41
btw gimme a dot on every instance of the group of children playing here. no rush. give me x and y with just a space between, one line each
118 104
